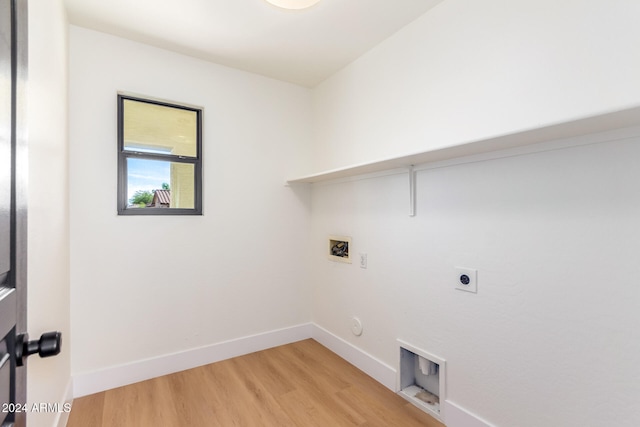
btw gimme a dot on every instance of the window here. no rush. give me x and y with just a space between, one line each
159 157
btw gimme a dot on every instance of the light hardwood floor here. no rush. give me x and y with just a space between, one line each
299 384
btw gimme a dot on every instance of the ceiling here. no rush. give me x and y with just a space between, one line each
301 47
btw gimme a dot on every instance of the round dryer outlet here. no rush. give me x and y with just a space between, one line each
356 326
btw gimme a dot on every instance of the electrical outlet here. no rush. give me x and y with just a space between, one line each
466 279
363 260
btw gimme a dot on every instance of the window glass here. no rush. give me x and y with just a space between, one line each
159 158
160 184
152 128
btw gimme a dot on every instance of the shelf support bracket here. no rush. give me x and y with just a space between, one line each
412 191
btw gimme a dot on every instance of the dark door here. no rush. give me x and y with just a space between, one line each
14 341
14 345
12 209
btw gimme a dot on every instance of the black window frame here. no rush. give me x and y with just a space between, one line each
123 155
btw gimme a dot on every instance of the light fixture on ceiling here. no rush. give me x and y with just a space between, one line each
293 4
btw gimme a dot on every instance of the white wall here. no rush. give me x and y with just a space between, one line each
553 234
145 287
48 380
470 70
552 336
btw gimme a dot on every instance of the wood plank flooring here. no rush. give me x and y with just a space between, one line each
299 384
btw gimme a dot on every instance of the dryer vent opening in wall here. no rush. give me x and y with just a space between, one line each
339 247
421 379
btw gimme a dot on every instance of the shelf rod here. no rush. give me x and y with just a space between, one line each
412 191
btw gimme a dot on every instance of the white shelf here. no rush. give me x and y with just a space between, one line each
601 123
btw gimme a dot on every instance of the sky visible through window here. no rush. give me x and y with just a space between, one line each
147 175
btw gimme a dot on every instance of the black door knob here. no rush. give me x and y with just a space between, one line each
48 345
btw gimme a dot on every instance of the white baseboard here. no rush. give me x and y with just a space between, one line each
375 368
63 417
117 376
453 415
457 416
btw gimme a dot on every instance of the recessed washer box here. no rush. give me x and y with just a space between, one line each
421 379
338 249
